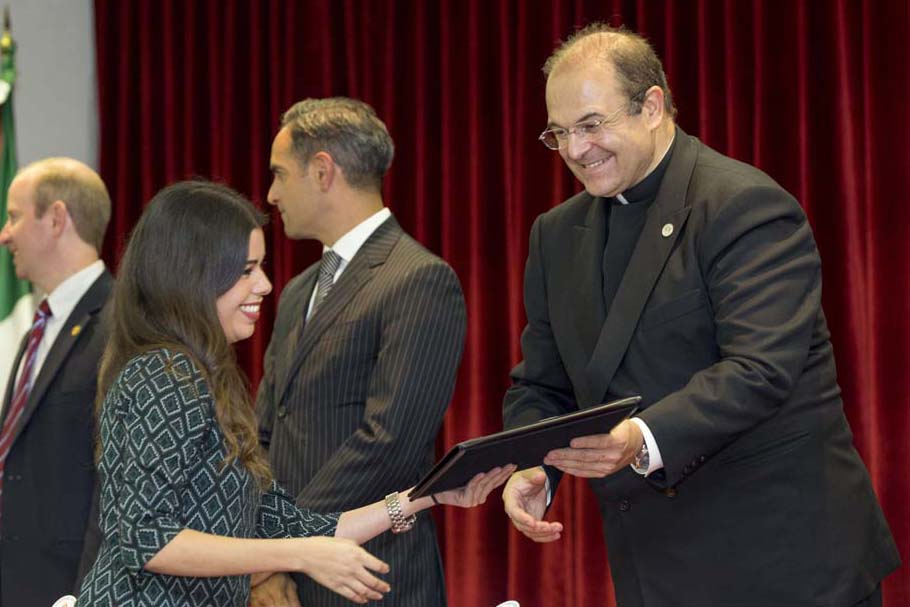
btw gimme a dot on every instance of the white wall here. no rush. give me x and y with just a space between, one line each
55 92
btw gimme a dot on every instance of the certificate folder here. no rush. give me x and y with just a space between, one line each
525 446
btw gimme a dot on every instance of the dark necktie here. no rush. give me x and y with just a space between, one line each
327 268
23 386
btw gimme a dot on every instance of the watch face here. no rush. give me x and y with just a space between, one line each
642 460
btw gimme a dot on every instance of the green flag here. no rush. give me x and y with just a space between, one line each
16 306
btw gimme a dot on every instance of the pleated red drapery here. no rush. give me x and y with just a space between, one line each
814 93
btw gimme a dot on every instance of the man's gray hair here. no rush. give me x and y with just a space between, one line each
349 131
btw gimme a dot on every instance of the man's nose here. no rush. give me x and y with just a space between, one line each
576 145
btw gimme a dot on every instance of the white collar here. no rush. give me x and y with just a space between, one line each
348 245
64 298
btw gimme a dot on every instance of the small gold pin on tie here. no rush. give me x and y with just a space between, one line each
76 330
667 230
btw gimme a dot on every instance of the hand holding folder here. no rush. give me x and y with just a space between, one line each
525 447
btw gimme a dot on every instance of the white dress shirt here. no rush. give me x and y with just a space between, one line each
61 301
348 245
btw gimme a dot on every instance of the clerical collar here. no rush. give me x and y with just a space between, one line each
646 189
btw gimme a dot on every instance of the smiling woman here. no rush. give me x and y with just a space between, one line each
238 308
188 508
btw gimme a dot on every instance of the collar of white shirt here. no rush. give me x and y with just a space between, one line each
348 245
62 301
64 298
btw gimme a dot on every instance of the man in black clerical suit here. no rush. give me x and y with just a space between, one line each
58 211
693 280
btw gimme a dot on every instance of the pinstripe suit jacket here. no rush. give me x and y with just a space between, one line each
350 405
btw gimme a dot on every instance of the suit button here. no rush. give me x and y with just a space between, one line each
282 412
701 459
687 469
670 492
624 506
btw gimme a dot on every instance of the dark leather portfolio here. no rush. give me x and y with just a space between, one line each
525 447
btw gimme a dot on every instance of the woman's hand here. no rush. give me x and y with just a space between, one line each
477 490
342 566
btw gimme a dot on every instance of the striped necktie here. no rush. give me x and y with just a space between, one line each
327 268
23 386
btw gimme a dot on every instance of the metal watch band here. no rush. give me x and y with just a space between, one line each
642 459
400 524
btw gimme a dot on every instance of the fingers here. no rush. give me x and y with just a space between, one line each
477 489
537 530
541 537
525 501
352 595
368 588
482 484
272 592
365 585
360 585
290 592
593 441
528 524
587 462
504 475
371 562
494 480
344 567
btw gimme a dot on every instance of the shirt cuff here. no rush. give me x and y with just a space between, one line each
546 486
655 461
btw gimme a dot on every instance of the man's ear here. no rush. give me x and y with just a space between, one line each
653 106
325 171
59 217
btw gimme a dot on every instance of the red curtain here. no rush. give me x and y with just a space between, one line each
814 93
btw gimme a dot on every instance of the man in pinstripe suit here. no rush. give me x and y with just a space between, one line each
365 348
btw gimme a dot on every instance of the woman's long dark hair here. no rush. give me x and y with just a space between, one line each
189 247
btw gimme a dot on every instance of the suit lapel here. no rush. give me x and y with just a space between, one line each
587 273
298 308
582 300
359 272
84 313
648 259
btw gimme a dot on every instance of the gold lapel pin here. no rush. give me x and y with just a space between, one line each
76 330
667 230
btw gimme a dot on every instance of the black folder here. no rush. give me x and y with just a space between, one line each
525 446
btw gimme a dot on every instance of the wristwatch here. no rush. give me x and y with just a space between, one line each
400 523
642 460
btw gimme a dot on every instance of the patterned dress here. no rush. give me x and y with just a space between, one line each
161 472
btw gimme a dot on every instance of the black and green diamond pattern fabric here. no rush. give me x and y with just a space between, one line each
162 470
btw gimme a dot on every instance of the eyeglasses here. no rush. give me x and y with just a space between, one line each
557 138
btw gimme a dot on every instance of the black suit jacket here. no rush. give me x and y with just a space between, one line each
50 474
718 325
350 411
